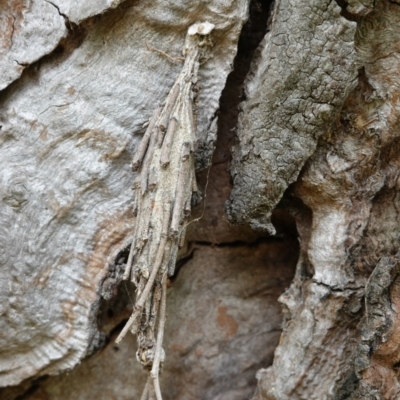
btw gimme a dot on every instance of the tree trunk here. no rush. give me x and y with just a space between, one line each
289 272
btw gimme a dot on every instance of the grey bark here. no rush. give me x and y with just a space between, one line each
70 126
341 307
305 70
315 161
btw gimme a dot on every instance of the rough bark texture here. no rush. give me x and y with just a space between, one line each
29 30
69 128
297 85
340 336
313 118
198 360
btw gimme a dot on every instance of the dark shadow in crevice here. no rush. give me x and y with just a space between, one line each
25 389
343 4
216 183
116 302
251 36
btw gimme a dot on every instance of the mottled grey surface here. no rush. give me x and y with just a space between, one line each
305 69
342 332
69 129
78 10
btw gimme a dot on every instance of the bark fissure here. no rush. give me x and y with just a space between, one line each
287 109
345 185
316 160
67 21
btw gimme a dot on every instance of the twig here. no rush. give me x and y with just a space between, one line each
166 147
141 151
182 237
160 336
145 394
172 260
155 306
143 233
170 103
149 285
152 395
153 179
179 201
146 163
174 59
128 267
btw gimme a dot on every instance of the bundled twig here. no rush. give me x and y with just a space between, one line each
163 195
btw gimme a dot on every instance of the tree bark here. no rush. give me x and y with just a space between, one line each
290 266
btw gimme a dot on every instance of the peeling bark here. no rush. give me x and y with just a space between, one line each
316 159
